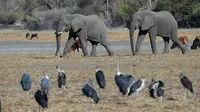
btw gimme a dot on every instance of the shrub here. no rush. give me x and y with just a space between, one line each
3 17
10 17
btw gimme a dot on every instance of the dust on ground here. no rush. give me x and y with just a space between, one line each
79 69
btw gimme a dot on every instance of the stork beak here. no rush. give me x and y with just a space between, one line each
181 75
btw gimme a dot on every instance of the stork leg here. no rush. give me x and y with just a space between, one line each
185 95
39 108
161 98
99 91
194 96
90 107
118 93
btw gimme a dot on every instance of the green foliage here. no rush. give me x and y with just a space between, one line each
10 17
164 5
186 12
121 10
126 8
3 17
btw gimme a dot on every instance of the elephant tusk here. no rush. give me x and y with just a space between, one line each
59 33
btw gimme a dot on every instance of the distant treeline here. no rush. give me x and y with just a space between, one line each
45 14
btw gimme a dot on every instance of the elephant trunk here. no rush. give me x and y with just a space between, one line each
69 44
131 32
58 41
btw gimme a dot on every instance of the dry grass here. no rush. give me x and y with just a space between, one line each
48 36
166 67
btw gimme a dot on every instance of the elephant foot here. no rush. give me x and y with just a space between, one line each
154 53
165 52
86 55
136 53
62 56
93 55
184 50
111 54
56 54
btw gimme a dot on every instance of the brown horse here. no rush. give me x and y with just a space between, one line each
183 40
31 36
76 45
196 43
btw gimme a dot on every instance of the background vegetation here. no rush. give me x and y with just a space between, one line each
45 14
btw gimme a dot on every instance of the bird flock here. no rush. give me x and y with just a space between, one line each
126 83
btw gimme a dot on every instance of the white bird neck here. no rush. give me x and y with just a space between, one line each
46 77
118 73
98 69
117 70
59 70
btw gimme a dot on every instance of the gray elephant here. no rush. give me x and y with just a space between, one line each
156 24
87 28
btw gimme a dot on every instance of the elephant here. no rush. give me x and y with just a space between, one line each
196 43
156 24
87 28
183 40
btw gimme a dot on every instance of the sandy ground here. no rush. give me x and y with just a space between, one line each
79 69
166 67
48 36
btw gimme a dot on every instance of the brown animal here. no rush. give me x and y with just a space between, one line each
31 36
196 43
75 46
183 40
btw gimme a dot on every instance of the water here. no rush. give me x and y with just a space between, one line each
28 47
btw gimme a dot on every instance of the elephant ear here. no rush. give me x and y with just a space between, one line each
77 24
148 22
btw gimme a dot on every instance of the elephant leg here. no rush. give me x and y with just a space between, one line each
140 39
94 45
166 41
173 46
107 47
77 49
177 42
174 38
83 41
152 36
69 44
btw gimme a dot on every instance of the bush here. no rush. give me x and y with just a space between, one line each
10 17
36 23
3 17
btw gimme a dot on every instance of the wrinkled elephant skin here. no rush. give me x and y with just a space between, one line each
155 24
86 28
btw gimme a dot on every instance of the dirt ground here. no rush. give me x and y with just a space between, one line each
79 69
48 36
